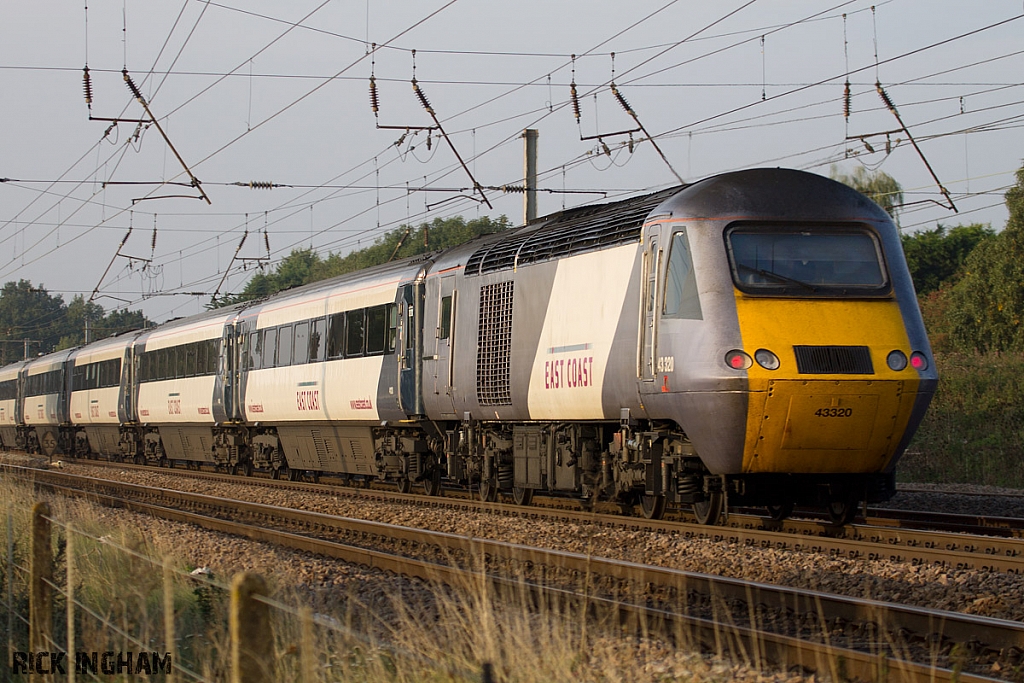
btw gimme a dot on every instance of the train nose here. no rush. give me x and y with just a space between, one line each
826 426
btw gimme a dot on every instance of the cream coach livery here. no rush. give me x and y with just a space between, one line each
749 339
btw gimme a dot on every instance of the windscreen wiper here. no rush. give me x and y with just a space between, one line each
779 278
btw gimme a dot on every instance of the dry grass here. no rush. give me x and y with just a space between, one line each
416 632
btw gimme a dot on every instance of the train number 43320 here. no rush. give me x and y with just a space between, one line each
833 412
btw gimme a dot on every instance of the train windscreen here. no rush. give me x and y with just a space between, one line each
820 261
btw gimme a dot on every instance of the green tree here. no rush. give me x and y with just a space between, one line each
31 313
100 324
935 256
986 305
294 270
77 313
406 241
880 187
304 266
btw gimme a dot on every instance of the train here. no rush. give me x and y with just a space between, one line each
749 339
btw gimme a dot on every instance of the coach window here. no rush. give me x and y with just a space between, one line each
269 347
446 317
190 359
317 340
392 327
336 336
181 357
284 346
376 330
681 299
255 349
301 345
354 333
203 359
213 353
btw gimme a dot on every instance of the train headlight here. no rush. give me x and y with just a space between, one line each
766 359
918 361
896 360
738 360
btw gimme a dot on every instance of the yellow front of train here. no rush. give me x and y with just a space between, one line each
835 378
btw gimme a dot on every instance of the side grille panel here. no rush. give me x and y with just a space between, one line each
494 345
833 360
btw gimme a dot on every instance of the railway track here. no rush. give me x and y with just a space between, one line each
879 538
854 637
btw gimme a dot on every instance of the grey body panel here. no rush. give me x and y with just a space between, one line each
328 447
104 439
188 442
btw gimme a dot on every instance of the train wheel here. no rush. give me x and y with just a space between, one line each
247 468
404 485
777 513
488 491
314 477
275 473
653 507
432 484
522 496
841 512
294 475
710 510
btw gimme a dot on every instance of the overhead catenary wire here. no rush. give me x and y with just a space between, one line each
294 102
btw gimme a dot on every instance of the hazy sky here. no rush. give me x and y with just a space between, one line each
278 93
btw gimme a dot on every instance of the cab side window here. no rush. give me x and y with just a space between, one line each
681 300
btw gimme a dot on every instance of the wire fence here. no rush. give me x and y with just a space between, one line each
90 607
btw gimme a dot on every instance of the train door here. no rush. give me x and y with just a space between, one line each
125 411
224 387
443 353
19 404
410 372
649 320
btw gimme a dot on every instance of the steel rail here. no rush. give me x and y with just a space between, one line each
878 540
991 639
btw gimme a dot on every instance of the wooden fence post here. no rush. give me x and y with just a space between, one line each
169 637
69 558
10 584
40 597
252 641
